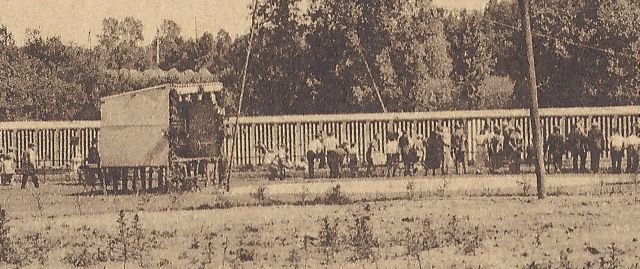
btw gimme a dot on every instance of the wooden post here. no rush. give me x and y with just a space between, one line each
533 91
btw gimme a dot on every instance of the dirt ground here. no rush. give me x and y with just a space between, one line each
416 223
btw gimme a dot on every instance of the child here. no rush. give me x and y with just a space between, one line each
8 168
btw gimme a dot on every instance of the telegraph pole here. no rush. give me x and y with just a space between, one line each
158 47
534 112
242 89
195 21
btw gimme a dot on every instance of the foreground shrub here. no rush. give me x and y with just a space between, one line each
362 240
5 240
81 258
130 243
328 239
335 196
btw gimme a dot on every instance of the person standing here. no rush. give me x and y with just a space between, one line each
373 148
322 155
352 154
445 135
3 174
417 152
433 153
483 140
29 161
330 146
554 148
577 144
393 154
459 145
404 143
596 143
632 143
616 150
282 158
313 151
496 145
515 150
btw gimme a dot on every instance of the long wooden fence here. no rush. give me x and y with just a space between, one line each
295 132
54 139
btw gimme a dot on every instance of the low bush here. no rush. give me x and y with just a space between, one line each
334 196
329 239
362 241
5 240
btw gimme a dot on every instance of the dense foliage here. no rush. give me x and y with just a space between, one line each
331 57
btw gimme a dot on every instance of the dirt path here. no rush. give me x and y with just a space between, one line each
430 184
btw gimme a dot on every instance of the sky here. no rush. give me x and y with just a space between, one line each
73 20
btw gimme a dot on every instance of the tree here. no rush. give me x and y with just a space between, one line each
6 38
32 91
120 44
278 63
472 58
421 59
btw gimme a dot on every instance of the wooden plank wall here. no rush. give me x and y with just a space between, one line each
53 139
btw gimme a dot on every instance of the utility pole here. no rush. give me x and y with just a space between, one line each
242 89
525 5
195 21
158 47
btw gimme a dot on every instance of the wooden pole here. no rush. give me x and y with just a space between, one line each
158 47
373 81
533 91
244 82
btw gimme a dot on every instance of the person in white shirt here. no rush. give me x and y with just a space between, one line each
29 160
331 145
8 167
616 149
393 153
282 159
313 152
483 141
446 149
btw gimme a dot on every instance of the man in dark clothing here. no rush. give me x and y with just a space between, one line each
404 143
596 143
433 151
515 150
554 148
577 143
29 160
93 163
373 147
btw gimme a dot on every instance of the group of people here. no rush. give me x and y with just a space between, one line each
8 167
329 152
441 150
444 149
591 143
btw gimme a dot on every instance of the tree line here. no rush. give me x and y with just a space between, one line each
335 56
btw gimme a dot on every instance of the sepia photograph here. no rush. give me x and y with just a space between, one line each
420 134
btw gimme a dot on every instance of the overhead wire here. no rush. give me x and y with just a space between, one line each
571 42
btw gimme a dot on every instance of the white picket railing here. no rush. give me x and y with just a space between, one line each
53 139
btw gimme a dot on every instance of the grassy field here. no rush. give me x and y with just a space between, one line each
417 223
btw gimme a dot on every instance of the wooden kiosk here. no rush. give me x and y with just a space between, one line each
171 134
